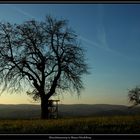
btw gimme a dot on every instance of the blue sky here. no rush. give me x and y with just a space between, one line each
110 33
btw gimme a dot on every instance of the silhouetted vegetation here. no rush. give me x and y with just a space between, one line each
85 125
134 96
44 58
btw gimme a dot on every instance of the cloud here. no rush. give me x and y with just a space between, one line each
89 41
101 42
22 12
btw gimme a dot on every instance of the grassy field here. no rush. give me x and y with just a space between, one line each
83 125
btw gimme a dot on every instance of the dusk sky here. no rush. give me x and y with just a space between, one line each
110 33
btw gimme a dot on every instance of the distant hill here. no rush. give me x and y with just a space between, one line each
97 110
21 111
27 111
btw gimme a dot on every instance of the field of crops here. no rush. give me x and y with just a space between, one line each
88 125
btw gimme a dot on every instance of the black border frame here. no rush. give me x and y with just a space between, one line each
69 136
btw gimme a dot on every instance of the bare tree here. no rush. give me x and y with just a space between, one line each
134 96
44 56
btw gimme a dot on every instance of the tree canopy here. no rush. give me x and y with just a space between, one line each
44 56
134 96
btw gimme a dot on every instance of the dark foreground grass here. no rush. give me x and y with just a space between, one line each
85 125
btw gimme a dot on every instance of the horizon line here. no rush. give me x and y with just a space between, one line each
66 104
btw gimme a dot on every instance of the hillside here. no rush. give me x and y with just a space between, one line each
25 111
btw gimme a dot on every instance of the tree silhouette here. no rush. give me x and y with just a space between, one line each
134 96
43 57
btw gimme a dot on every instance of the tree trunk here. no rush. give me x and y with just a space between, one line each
44 109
